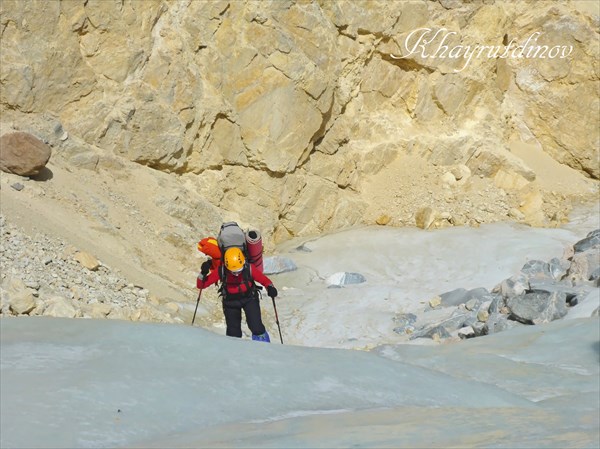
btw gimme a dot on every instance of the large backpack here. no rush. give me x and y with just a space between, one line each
232 236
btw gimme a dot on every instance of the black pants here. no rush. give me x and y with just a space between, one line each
232 309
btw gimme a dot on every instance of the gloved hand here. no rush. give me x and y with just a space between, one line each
205 267
271 291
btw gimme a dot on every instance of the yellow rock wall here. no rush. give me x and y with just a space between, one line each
285 111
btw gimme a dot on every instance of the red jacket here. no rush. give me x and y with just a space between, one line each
235 283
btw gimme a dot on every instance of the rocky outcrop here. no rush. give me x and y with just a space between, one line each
299 105
23 154
540 293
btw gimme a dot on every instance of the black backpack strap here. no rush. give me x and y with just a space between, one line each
223 277
248 279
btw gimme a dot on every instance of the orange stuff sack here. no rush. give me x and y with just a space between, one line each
210 247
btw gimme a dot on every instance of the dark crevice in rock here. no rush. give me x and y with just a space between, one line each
408 65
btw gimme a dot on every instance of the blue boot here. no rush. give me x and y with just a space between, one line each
263 337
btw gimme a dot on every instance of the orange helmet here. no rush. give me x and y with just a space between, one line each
234 259
210 247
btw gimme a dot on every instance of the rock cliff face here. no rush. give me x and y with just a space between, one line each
288 113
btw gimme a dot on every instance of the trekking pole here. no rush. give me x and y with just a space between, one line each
277 320
198 302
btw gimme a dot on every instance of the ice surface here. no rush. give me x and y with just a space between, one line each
87 383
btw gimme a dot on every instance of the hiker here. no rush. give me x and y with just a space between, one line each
239 291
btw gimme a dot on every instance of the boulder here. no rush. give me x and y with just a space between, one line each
149 314
537 307
121 313
4 303
383 220
510 181
513 286
457 320
572 293
590 241
60 307
483 315
532 206
584 265
23 154
516 214
425 217
480 293
278 264
472 304
558 268
345 278
536 269
497 304
448 178
461 172
462 296
98 310
454 297
17 299
488 160
466 332
405 323
435 332
435 301
498 323
22 302
87 260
